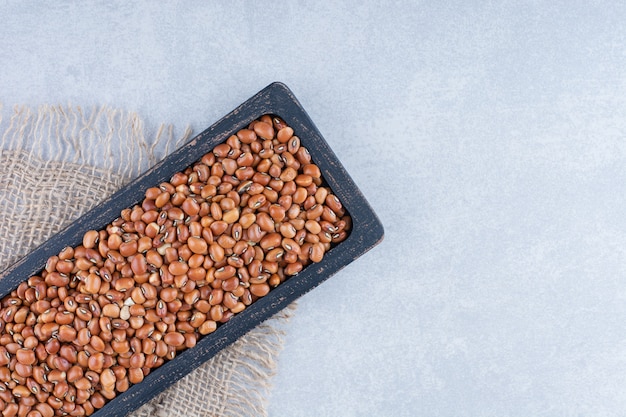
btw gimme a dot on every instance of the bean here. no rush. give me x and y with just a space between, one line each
174 339
139 264
311 170
152 193
230 284
160 309
293 145
277 213
26 356
44 409
315 212
293 268
66 333
316 252
162 199
124 284
57 279
198 273
264 130
178 268
66 266
275 255
96 362
217 312
90 239
208 326
171 254
237 233
300 195
148 291
168 294
111 310
190 296
329 215
238 308
197 245
284 134
74 374
216 252
257 201
270 241
265 222
175 214
287 230
231 216
135 375
225 272
190 206
270 194
107 379
288 174
10 410
217 228
333 203
260 290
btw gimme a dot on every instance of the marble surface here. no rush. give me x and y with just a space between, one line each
490 137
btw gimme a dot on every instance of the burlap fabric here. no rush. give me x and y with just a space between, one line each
57 163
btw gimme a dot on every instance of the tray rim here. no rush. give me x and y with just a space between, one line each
366 233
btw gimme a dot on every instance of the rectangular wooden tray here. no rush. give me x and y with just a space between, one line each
367 231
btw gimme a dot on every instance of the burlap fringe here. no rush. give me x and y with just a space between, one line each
109 139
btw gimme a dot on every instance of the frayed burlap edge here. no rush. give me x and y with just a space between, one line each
102 137
60 161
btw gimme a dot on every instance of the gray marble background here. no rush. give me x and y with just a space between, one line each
490 137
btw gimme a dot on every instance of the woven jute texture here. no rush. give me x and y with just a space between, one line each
57 162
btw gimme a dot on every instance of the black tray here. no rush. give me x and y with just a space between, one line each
367 231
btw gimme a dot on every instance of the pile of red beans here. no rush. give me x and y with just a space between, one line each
197 250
